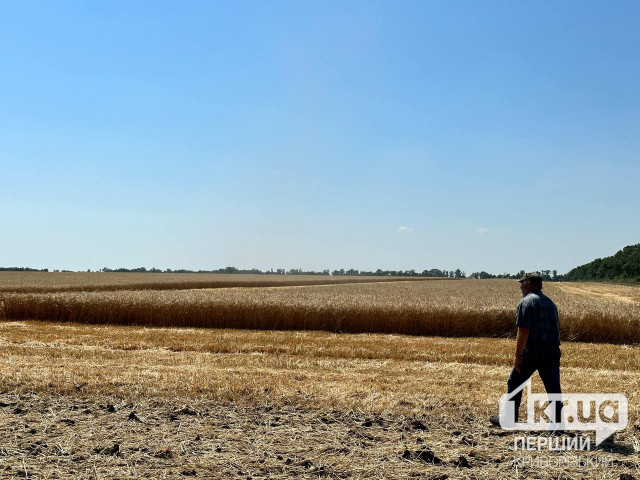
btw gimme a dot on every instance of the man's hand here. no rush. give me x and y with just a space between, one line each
517 363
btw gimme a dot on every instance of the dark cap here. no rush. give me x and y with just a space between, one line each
533 277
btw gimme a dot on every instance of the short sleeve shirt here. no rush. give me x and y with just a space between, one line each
539 314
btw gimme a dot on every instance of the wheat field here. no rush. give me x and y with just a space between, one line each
589 312
25 282
161 383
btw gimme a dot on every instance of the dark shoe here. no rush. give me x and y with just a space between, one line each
495 421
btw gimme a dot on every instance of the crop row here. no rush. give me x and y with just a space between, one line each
52 282
441 308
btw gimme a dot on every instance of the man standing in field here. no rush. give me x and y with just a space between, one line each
537 343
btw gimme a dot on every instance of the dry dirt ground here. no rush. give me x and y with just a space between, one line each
81 401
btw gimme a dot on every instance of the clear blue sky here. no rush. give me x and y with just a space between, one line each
481 135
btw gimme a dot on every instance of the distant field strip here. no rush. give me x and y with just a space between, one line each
439 307
622 293
51 282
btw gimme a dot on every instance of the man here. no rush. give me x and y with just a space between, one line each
537 342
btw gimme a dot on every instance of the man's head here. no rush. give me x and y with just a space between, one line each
530 283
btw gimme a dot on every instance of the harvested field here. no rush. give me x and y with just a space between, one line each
100 401
437 307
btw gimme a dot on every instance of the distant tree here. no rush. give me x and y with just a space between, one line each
482 275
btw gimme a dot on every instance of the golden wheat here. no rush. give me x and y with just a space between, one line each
43 282
438 307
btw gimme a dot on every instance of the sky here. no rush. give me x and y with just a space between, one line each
495 135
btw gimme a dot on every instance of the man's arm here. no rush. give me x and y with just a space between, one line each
521 341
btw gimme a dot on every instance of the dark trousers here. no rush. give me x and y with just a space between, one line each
548 366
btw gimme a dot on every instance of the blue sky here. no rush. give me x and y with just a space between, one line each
476 135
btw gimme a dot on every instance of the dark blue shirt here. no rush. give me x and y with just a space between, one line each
539 314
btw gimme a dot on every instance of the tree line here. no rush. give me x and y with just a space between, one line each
547 275
434 272
623 266
22 269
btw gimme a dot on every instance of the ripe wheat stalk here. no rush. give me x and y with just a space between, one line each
468 308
